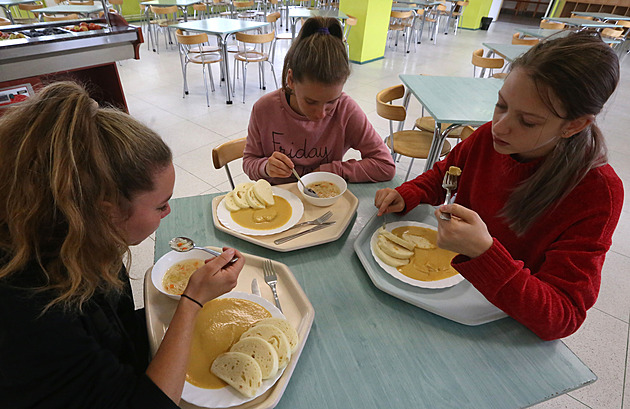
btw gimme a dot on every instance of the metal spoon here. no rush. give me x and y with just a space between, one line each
307 191
184 244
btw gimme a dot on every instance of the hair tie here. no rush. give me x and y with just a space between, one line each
323 30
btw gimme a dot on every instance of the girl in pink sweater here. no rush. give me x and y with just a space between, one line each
537 202
310 123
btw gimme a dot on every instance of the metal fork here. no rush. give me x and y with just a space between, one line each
449 183
321 219
271 278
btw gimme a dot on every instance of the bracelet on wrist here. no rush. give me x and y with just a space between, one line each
193 300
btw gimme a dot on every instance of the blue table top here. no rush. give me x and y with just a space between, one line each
220 26
580 22
509 52
367 349
602 16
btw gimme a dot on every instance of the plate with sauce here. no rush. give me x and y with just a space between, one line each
428 268
282 215
240 309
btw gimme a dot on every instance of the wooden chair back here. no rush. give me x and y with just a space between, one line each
385 109
30 7
582 17
256 38
61 18
273 17
403 15
226 153
116 2
466 132
551 25
478 60
200 7
516 39
164 10
611 33
5 21
243 4
191 39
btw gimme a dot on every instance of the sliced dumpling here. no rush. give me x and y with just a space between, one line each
275 337
240 194
387 259
252 200
419 241
230 203
240 371
284 326
263 192
396 239
392 249
262 351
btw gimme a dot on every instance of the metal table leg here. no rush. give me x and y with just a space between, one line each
226 67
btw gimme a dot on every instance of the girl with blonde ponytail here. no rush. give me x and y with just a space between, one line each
80 184
311 123
537 202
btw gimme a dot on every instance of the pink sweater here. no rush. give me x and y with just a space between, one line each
274 126
548 278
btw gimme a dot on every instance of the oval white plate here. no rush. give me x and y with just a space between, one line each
227 396
297 210
447 282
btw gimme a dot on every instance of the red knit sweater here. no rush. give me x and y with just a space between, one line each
549 277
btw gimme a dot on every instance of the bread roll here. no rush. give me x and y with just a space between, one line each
262 351
286 328
392 249
262 190
240 371
275 337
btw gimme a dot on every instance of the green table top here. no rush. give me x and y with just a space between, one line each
546 32
460 100
180 3
367 349
301 12
69 8
220 26
509 52
601 16
12 2
580 22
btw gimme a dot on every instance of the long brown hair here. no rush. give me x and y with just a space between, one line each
62 158
317 54
581 71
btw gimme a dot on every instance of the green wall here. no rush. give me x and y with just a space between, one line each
367 39
473 13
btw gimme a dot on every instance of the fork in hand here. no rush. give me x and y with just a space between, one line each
449 183
271 278
321 219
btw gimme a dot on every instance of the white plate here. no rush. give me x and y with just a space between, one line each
297 210
227 396
447 282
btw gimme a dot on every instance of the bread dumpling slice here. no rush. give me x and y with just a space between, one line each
284 326
252 200
229 202
392 249
275 337
396 239
419 241
238 370
263 192
240 194
387 259
262 351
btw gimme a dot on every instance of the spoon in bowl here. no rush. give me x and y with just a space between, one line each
184 244
307 191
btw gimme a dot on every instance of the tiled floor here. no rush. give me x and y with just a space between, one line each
153 86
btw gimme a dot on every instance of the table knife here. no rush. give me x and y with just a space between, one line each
300 234
255 289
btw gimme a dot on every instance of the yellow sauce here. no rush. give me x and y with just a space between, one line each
268 218
427 264
218 326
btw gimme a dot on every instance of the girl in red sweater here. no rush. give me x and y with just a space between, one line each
537 202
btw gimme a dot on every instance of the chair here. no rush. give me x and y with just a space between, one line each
466 132
244 10
200 11
226 153
490 63
516 39
551 25
5 22
260 56
117 5
350 22
625 26
411 143
273 19
203 58
60 18
29 8
457 13
582 17
164 16
400 22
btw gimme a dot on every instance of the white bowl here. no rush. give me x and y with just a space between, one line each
322 177
167 261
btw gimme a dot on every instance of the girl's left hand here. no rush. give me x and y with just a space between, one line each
465 233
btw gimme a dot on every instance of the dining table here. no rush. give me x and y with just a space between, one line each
602 16
406 5
81 9
182 5
368 349
581 23
222 28
296 13
543 33
7 4
451 100
509 52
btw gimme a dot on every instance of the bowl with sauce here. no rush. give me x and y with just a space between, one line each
328 186
171 272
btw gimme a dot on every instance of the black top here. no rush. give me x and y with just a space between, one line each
93 359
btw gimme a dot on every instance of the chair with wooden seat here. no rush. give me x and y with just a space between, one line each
227 152
487 63
582 17
625 25
48 17
273 19
199 40
29 8
414 144
164 16
400 22
200 11
466 131
460 6
264 44
5 22
350 22
518 40
552 25
117 5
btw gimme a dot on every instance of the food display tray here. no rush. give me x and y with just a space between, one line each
343 211
461 303
296 307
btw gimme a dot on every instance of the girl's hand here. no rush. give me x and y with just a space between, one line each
216 277
279 165
465 233
388 201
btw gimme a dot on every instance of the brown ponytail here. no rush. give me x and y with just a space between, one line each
317 54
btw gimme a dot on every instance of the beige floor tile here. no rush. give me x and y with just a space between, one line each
613 295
